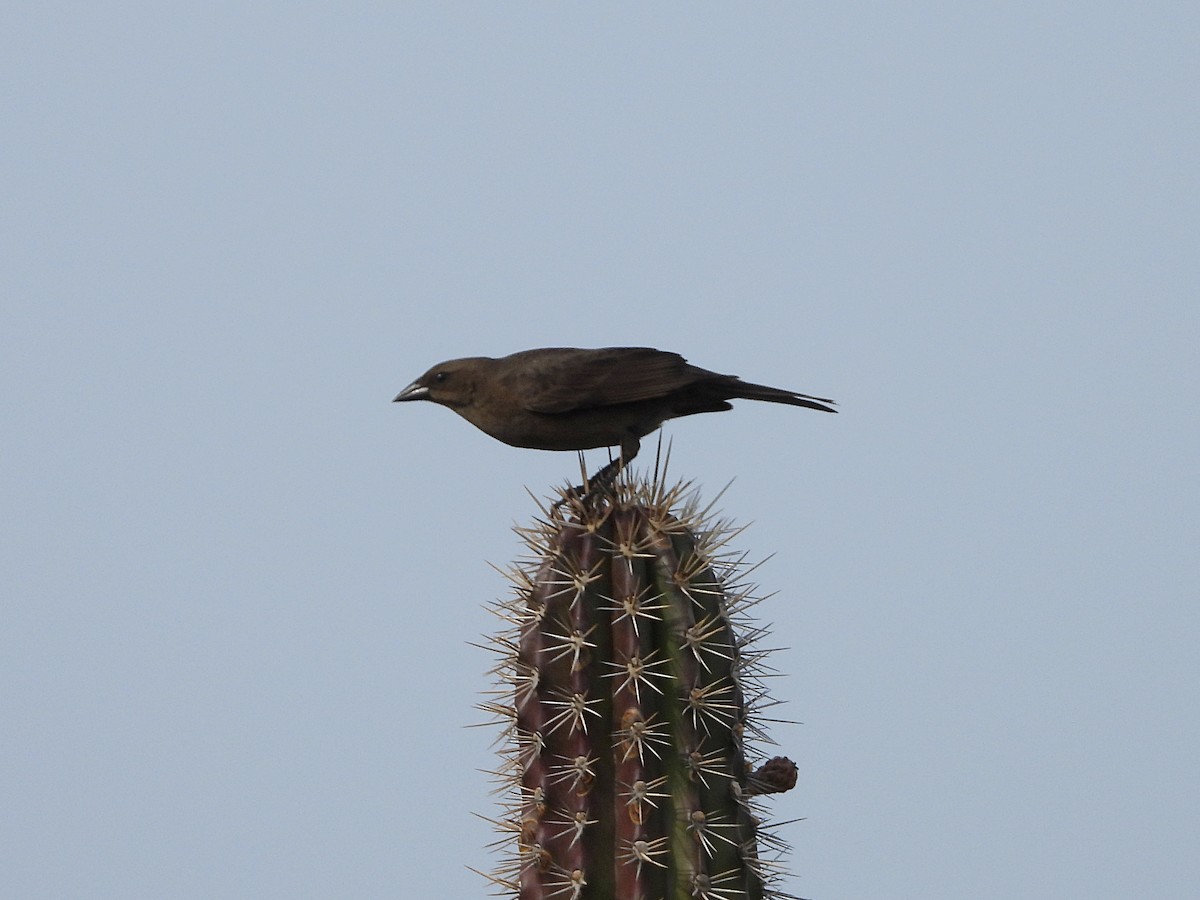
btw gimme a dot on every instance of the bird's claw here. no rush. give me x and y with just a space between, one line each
593 488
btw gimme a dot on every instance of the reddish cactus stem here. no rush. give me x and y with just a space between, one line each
632 777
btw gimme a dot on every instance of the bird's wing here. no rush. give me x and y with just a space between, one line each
585 379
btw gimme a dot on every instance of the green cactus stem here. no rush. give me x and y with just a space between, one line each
629 683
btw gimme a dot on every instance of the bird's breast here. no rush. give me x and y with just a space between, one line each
584 429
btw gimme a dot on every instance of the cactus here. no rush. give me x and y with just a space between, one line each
628 684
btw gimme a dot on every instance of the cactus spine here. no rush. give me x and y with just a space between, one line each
628 680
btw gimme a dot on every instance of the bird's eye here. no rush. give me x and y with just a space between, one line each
440 378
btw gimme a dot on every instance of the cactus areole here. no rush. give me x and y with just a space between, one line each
628 686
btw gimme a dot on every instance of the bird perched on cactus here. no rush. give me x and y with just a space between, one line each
565 398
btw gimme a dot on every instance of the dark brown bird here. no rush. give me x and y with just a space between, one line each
563 398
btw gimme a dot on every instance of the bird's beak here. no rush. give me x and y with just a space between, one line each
414 391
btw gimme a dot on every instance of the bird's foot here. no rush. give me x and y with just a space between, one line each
593 487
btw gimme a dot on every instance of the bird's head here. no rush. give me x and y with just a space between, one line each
451 383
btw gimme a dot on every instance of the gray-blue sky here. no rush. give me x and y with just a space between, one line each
238 584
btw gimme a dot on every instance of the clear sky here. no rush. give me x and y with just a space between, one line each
237 584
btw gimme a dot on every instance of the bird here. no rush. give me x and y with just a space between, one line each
568 398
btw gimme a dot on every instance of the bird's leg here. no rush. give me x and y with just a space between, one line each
606 475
